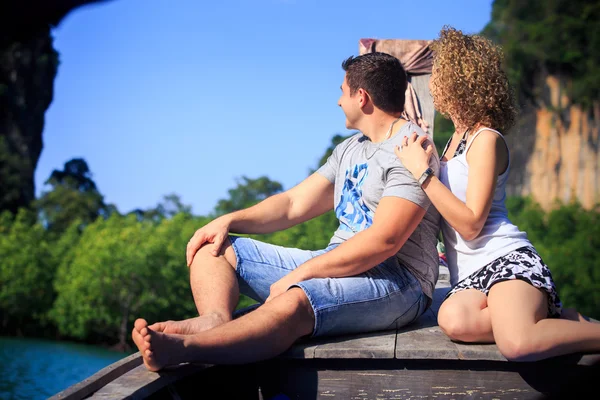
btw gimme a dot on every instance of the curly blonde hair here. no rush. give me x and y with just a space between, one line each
469 83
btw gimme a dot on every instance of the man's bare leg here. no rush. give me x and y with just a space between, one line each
215 289
261 334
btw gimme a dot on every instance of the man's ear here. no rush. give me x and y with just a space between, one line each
363 97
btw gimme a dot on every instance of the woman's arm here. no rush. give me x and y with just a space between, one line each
487 159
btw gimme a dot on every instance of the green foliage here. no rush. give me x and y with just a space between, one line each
443 129
247 193
73 196
561 37
568 239
528 216
335 140
170 206
26 273
123 268
94 285
170 239
310 235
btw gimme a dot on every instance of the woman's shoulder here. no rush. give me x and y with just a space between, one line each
486 139
488 146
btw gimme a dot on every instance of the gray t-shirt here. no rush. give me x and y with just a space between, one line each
363 172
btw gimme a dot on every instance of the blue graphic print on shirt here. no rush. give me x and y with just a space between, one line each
351 210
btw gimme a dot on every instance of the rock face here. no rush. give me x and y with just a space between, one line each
555 150
27 70
28 65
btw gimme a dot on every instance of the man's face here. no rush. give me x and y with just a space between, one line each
349 105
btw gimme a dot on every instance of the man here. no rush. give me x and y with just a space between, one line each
378 272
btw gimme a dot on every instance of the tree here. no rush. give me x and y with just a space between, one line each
314 234
122 269
167 250
170 206
73 196
560 37
568 239
335 140
247 193
106 279
26 273
572 250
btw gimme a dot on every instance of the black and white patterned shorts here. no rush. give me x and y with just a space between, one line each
524 264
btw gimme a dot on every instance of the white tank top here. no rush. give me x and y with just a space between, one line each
498 236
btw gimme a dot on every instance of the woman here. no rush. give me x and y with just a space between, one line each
502 290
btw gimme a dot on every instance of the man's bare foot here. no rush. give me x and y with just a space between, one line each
189 326
156 347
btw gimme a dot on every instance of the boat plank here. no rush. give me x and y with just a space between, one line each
302 349
139 383
369 345
391 379
424 340
90 385
472 351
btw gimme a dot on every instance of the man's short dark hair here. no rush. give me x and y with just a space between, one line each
381 75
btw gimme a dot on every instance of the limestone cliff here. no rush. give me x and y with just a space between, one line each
555 148
27 70
28 64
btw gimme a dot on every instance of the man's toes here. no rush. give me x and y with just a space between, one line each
158 326
140 323
142 345
135 335
139 340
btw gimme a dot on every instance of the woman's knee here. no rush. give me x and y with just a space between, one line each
453 321
517 347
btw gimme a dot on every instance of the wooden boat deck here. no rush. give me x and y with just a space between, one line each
417 361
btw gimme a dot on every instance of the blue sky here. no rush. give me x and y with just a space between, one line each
164 96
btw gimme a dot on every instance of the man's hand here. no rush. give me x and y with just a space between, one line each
214 232
281 286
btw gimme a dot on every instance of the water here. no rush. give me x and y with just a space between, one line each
37 369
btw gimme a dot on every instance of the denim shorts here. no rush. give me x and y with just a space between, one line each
385 297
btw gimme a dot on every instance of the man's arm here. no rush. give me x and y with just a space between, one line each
394 221
309 199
